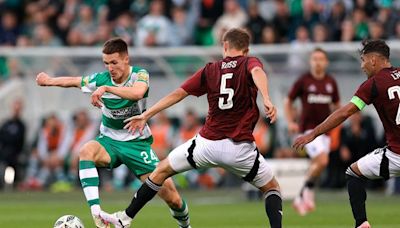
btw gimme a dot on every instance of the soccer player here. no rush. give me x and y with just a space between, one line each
120 92
319 96
226 139
382 89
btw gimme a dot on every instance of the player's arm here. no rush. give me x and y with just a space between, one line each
138 122
261 81
43 79
136 92
332 121
293 127
335 106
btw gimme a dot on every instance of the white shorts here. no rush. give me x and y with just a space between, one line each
371 165
319 145
239 158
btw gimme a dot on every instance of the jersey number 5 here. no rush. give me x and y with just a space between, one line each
391 91
223 90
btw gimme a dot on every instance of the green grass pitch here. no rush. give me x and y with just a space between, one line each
226 208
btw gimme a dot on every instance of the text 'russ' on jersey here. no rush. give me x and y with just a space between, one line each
228 65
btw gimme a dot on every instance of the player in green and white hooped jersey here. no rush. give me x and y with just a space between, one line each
120 92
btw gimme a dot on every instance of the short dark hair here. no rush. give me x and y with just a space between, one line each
115 45
237 38
319 49
375 46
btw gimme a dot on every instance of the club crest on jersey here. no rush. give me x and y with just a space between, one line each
329 88
312 88
228 65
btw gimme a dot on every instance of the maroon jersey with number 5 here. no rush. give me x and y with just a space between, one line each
231 95
383 91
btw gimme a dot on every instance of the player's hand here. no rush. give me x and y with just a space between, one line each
270 111
302 140
96 96
135 123
293 128
43 79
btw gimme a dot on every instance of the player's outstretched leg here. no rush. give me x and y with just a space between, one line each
150 187
178 207
89 178
90 184
357 195
273 203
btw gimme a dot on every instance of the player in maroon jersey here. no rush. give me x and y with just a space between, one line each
319 97
226 139
382 89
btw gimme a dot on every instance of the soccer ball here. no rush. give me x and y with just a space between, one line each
68 221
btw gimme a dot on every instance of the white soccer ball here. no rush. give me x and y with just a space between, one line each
68 221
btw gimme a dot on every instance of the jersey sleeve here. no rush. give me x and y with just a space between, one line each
196 84
296 90
364 94
253 62
89 83
143 76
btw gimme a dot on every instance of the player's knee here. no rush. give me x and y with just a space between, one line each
271 185
350 173
86 153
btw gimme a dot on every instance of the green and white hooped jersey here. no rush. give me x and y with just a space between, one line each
116 109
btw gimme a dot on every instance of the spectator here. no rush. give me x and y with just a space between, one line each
256 23
360 24
12 141
9 29
82 130
125 27
189 128
268 35
396 35
153 29
44 160
335 20
319 33
44 36
62 28
163 132
233 17
387 18
181 30
262 136
348 32
297 59
85 28
282 21
376 31
210 11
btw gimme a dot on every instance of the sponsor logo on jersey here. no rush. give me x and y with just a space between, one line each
319 99
228 65
125 113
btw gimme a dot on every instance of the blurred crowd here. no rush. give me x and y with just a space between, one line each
50 161
194 22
